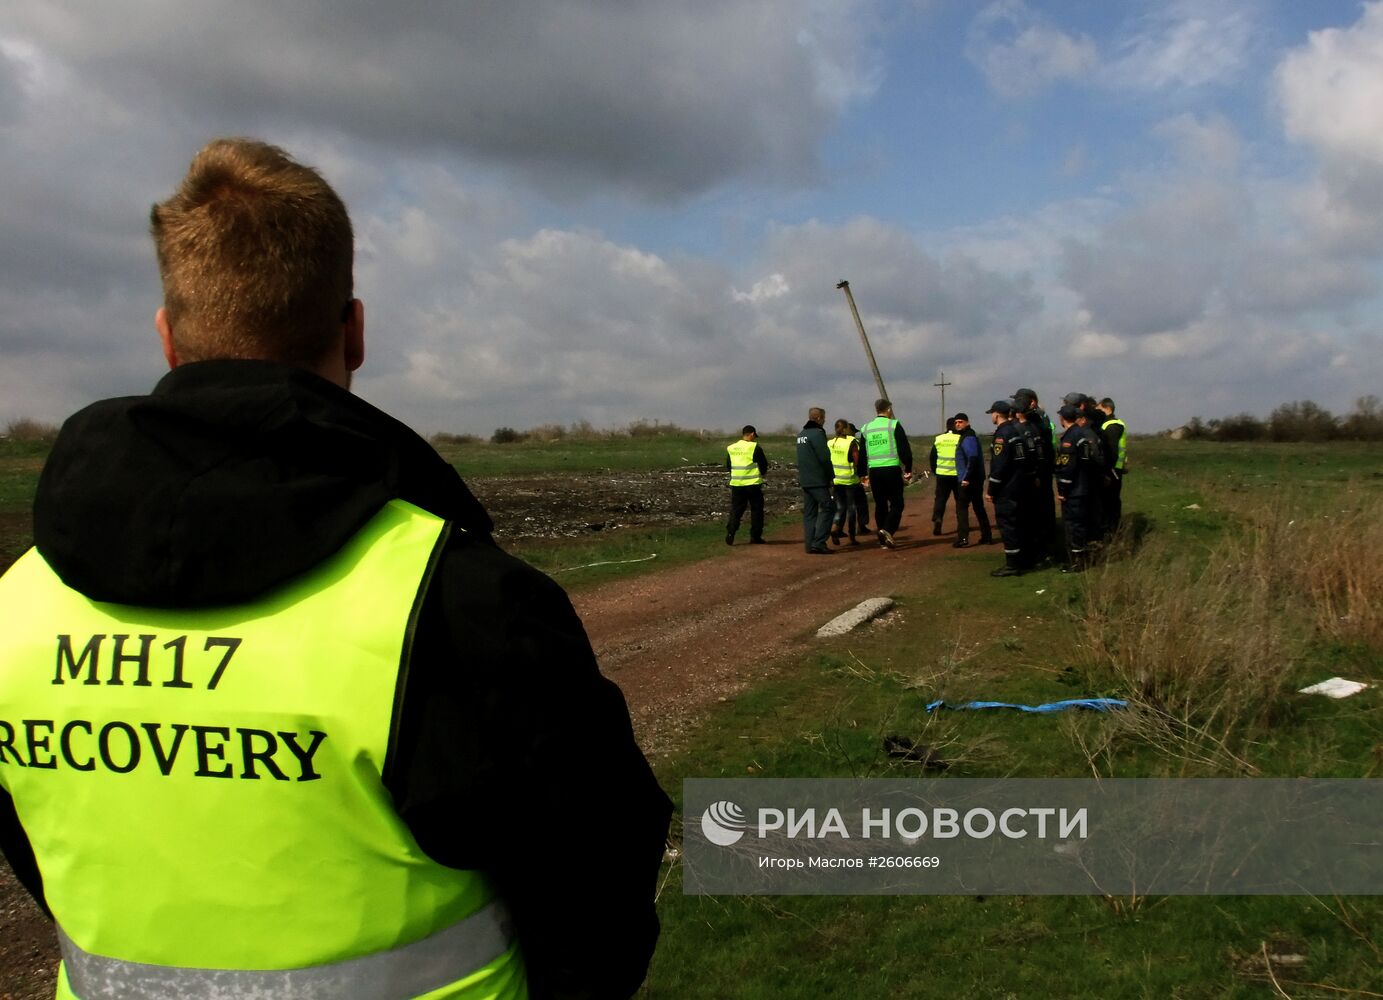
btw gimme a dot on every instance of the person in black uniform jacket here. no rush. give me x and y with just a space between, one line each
970 473
251 462
1035 541
1007 484
816 475
1091 420
1078 476
1044 519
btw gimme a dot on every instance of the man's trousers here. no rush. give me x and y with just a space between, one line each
753 498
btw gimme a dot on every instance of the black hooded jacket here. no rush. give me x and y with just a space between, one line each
235 476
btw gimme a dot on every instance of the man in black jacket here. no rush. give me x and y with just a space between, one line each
970 472
1008 485
815 474
251 463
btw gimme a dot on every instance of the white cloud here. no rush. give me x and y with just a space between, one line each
1019 52
775 286
1186 43
1332 87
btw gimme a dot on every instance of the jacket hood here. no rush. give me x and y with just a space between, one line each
229 478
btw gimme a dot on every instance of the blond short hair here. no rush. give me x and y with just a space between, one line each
255 251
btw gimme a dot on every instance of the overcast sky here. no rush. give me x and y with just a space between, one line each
601 210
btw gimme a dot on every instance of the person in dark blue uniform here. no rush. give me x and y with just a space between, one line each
1008 480
1079 474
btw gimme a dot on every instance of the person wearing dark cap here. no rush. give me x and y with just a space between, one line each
970 494
1045 529
1089 418
748 466
815 475
885 462
1035 539
1078 477
1008 477
942 460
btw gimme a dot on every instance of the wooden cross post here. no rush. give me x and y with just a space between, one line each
942 386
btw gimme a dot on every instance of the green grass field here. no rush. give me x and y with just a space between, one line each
962 636
1247 534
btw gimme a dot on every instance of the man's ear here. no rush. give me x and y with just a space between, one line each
353 346
165 335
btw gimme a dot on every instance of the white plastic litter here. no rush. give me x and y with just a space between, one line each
1336 687
855 617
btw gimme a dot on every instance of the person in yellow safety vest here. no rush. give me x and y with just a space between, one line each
885 463
942 460
846 485
277 716
1115 434
748 466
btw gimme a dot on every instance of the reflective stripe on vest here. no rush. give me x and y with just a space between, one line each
206 792
840 461
744 471
1123 442
881 443
946 453
410 970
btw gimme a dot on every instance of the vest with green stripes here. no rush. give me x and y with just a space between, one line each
946 445
1120 459
203 788
744 471
881 443
843 468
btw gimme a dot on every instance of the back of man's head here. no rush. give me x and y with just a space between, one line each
816 414
255 252
882 406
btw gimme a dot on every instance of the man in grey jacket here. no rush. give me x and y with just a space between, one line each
815 475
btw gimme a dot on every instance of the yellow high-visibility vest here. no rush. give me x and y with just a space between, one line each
840 461
946 453
881 443
744 471
1122 457
203 788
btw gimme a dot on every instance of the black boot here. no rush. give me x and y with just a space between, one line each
936 527
1011 566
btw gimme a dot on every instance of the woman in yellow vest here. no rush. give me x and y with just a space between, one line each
846 485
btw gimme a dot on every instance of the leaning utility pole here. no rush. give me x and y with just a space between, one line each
942 386
844 286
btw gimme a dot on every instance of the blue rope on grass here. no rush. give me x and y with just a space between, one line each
1094 704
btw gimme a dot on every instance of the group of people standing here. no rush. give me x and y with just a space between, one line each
1086 463
834 473
1033 466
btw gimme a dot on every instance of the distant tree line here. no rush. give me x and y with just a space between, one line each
580 430
1299 421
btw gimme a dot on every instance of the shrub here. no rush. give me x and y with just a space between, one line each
506 435
30 431
445 438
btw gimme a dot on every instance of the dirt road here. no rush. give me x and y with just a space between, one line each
673 641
